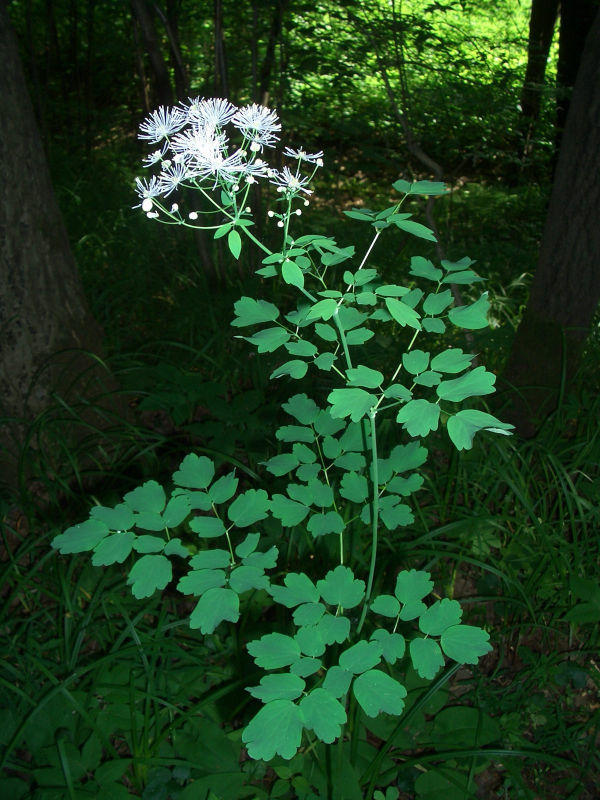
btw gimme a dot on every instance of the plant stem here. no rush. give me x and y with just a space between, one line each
374 517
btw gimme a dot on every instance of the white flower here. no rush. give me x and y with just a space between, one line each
258 124
286 181
301 155
172 176
162 123
193 215
155 157
212 113
151 188
147 204
197 141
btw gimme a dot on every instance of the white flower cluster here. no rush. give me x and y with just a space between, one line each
194 150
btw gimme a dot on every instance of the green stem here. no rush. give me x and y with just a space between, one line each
374 518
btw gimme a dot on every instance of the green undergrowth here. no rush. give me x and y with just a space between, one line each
102 696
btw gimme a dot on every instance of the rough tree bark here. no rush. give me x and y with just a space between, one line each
541 29
566 286
43 311
576 18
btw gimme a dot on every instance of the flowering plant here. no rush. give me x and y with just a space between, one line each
345 648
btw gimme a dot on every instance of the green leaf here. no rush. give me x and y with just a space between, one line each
419 417
465 643
398 392
292 274
453 266
302 408
148 574
301 348
405 457
80 538
234 242
405 486
275 730
199 581
249 507
339 587
353 403
308 614
215 606
326 332
223 490
274 650
298 589
430 188
412 585
211 559
305 667
149 521
323 714
119 518
247 577
463 426
207 527
386 605
453 360
432 785
391 290
358 336
295 368
395 513
282 464
266 560
361 656
175 547
402 313
251 312
415 361
304 454
464 277
319 493
376 692
437 302
322 524
423 268
268 339
248 545
441 615
362 215
416 229
331 447
287 511
176 511
394 645
333 629
195 472
474 383
349 317
149 544
295 433
354 487
337 681
113 549
433 325
148 497
426 657
364 376
311 641
471 317
323 309
278 687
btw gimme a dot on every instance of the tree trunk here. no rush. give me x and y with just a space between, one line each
566 286
541 30
170 19
45 322
162 81
266 70
576 19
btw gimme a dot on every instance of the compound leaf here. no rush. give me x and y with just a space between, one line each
474 383
298 589
113 549
278 687
465 643
441 615
274 650
195 472
249 507
80 538
361 656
